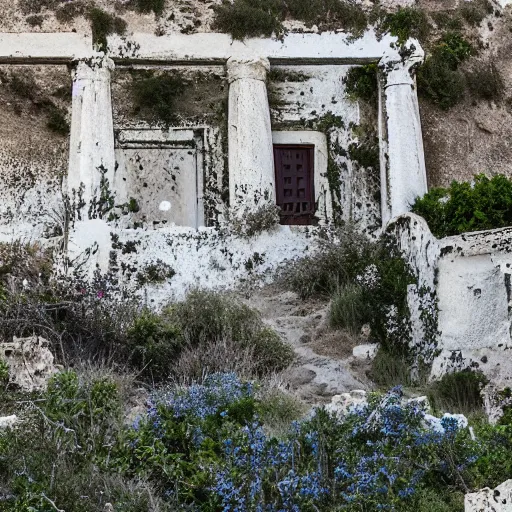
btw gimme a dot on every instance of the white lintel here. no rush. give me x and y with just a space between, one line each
328 46
45 47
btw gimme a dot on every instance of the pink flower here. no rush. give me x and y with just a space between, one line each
100 294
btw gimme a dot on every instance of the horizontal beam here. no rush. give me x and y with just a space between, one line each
214 48
44 48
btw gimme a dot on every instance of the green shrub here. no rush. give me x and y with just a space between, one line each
153 343
329 14
4 371
407 22
458 392
348 308
156 272
57 121
68 11
35 20
255 221
104 24
485 81
277 409
453 49
146 6
205 317
474 12
337 262
390 369
249 18
157 95
485 204
361 82
441 84
439 78
365 153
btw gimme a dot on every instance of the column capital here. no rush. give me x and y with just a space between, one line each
86 68
254 68
398 65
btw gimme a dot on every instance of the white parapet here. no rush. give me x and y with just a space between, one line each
403 173
92 157
251 159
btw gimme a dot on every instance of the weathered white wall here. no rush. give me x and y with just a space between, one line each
469 276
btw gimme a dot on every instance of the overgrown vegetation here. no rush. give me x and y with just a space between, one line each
104 24
361 82
94 321
27 92
484 204
458 392
208 445
147 6
255 221
407 22
439 79
244 18
355 271
156 272
156 95
485 81
249 18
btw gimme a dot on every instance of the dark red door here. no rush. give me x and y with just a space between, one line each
294 183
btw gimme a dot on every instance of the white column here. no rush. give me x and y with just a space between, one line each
403 173
251 158
92 158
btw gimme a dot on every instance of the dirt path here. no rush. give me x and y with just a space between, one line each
324 365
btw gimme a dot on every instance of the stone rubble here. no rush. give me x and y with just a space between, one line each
490 500
30 362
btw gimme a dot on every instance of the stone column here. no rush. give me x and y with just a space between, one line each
92 159
403 174
251 157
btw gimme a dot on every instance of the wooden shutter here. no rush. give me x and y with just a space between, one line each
294 183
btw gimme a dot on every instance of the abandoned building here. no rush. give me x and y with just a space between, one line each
255 124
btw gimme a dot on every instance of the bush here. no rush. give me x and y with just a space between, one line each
361 82
156 272
57 456
458 392
153 344
439 78
146 6
348 309
365 152
208 446
253 222
157 95
485 81
35 20
104 24
475 12
484 204
67 12
338 261
57 121
249 18
207 317
390 369
4 371
329 14
407 22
